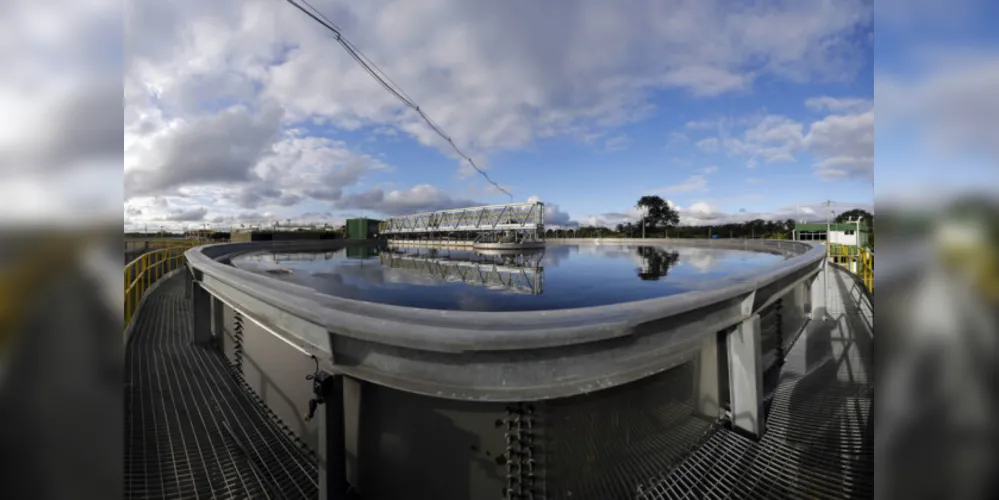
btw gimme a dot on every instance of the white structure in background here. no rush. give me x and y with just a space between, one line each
855 233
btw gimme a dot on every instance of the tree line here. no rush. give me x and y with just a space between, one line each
661 220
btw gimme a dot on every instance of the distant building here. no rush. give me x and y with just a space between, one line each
843 233
362 229
241 236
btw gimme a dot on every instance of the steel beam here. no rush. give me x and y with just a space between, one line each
509 217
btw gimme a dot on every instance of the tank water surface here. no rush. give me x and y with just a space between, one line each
557 277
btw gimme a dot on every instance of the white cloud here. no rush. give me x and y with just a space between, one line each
952 106
581 69
419 198
553 215
846 145
192 215
212 88
702 208
709 170
709 144
834 104
841 144
692 183
676 138
617 143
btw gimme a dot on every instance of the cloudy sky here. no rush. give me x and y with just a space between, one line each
249 111
242 111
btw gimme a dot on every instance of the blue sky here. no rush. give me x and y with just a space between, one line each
642 158
248 112
937 70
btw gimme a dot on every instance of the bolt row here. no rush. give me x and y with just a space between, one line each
520 452
237 335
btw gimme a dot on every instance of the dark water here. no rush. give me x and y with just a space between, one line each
559 277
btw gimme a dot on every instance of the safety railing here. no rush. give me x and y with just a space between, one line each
859 261
156 243
145 270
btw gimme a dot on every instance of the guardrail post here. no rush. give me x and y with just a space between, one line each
332 441
217 318
745 371
817 293
202 315
708 381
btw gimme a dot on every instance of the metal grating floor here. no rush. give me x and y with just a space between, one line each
192 429
820 426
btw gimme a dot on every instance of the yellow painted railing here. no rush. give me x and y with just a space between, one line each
146 269
859 261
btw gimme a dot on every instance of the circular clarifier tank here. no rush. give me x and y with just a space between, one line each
561 276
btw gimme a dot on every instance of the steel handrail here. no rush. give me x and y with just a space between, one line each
145 270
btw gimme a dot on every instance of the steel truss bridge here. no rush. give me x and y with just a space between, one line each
520 217
519 273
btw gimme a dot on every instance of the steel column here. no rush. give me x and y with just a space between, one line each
202 317
332 441
745 371
708 381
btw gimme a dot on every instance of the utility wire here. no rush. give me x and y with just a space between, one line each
387 83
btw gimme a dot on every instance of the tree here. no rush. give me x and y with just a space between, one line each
853 214
658 213
656 263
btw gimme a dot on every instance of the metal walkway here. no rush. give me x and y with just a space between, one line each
192 428
820 427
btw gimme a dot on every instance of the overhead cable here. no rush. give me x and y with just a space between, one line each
387 83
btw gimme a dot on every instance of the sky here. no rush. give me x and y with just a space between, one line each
248 112
243 112
936 80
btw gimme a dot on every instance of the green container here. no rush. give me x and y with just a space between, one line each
362 229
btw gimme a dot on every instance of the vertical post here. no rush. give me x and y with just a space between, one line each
332 441
817 293
745 362
217 317
201 307
856 240
708 402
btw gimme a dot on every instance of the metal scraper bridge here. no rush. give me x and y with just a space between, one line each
509 223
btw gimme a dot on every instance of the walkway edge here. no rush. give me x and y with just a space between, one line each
145 297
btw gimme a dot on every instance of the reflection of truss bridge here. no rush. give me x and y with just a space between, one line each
278 257
519 273
521 217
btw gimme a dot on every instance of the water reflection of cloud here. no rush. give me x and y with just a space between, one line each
375 273
557 253
703 261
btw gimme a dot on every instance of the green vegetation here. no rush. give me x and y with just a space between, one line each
658 213
662 221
